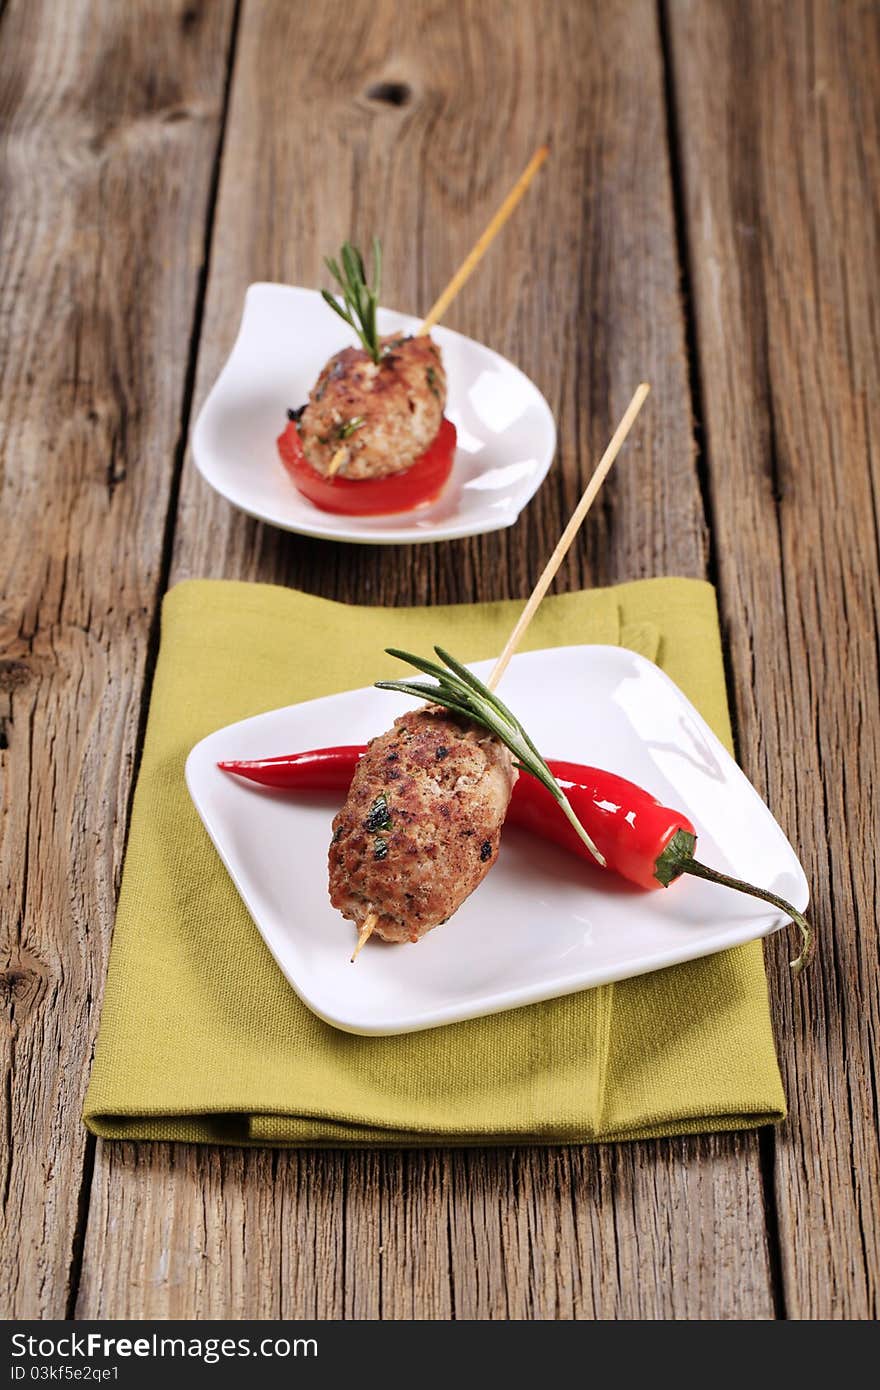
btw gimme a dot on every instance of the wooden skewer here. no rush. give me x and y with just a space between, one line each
577 518
439 308
602 469
478 250
365 933
337 460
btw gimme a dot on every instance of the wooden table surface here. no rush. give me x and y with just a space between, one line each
709 221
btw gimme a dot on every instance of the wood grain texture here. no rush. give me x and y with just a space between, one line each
782 172
109 121
582 292
213 1239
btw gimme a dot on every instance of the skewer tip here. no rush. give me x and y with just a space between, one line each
364 934
337 461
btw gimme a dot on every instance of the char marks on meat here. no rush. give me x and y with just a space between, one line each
383 414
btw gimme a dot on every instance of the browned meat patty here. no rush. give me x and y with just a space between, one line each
383 415
421 826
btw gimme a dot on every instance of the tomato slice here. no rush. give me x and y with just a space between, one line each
422 482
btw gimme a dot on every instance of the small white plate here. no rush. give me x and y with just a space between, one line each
506 434
542 923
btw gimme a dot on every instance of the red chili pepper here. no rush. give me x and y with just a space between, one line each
631 828
321 769
423 481
641 839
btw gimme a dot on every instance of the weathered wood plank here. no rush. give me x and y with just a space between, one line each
660 1230
110 116
237 1231
583 294
780 131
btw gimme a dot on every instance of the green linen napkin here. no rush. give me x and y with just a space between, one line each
201 1037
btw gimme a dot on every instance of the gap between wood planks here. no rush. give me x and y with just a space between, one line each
152 650
766 1137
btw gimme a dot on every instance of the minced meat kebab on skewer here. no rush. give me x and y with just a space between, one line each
372 438
421 824
369 418
472 710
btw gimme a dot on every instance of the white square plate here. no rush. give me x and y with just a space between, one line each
506 434
543 923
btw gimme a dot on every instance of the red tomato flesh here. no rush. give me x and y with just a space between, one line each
422 482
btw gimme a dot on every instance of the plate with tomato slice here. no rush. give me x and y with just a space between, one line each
491 453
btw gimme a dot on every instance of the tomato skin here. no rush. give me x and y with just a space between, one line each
422 482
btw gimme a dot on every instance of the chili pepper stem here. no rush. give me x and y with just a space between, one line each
693 866
566 807
678 858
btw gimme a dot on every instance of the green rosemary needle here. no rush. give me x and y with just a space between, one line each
359 300
348 427
459 690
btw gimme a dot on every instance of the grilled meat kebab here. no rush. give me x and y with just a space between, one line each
381 416
421 825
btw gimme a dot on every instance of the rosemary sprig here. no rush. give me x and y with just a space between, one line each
359 300
459 690
348 427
